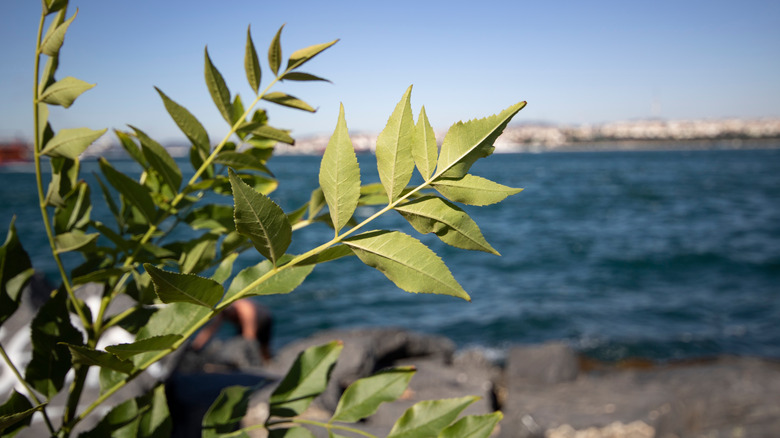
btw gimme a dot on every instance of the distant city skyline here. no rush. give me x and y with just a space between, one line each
574 62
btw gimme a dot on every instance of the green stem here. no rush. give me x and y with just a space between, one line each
74 394
27 388
131 259
38 147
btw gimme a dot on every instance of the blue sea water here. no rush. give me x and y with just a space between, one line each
661 255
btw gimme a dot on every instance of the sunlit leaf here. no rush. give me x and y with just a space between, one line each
188 124
172 287
363 397
340 175
280 283
394 148
473 426
198 254
156 343
424 148
467 142
316 202
70 143
473 190
429 418
218 89
408 263
306 379
15 272
65 91
302 56
431 214
56 35
283 99
251 63
224 269
275 52
227 411
260 219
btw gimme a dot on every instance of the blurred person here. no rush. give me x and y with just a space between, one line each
253 321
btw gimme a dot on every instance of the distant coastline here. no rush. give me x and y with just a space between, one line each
545 137
616 136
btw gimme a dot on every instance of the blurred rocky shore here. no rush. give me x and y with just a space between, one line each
543 390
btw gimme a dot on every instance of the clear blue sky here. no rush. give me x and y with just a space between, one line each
573 61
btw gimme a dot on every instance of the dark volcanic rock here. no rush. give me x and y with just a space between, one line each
724 397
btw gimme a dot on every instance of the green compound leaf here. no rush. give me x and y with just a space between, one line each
188 124
251 63
340 175
467 142
424 148
70 143
241 160
408 263
316 203
303 77
188 288
136 194
120 422
218 89
394 148
55 36
226 412
51 6
431 214
473 190
65 91
156 419
50 359
283 99
15 272
307 378
15 414
173 319
473 426
73 241
302 56
282 282
363 397
275 52
132 148
156 343
260 219
160 160
268 132
429 418
88 356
